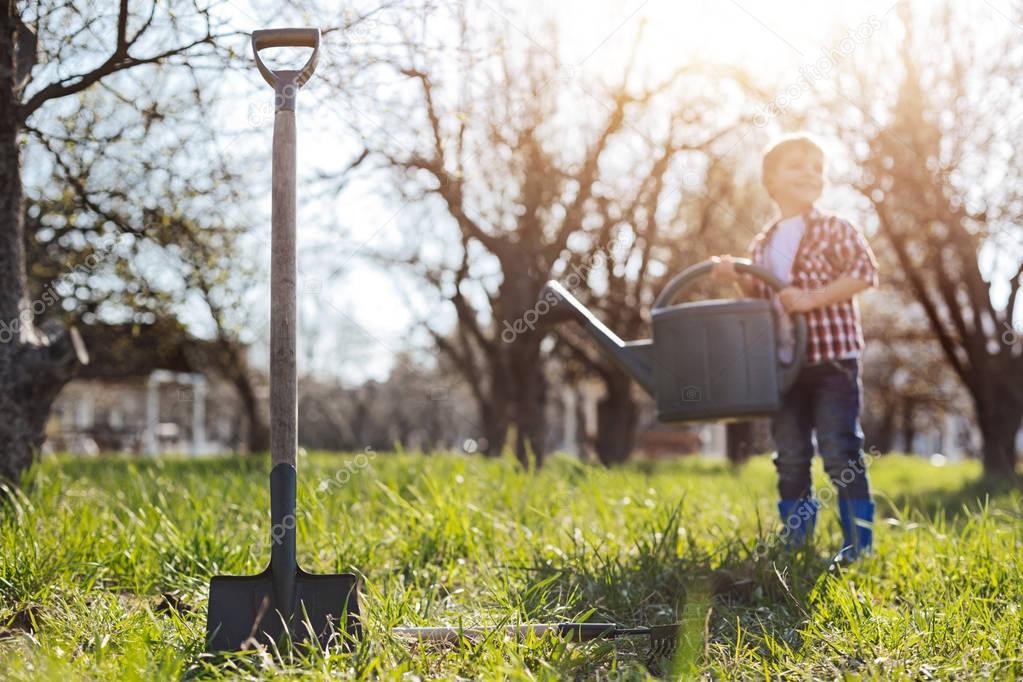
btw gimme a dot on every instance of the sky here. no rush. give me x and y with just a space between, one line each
355 324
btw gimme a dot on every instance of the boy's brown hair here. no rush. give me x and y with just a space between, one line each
778 148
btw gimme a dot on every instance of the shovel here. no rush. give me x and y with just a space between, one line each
283 603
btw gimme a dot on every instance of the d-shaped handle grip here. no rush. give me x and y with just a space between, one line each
286 82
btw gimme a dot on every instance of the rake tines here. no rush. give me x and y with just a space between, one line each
663 644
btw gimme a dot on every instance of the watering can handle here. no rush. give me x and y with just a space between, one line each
788 371
286 82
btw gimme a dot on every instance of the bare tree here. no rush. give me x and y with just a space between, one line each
47 53
110 276
946 190
530 182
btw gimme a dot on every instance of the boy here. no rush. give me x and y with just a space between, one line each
825 261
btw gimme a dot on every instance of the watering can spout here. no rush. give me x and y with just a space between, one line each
634 357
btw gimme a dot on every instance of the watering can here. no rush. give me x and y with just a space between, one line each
708 360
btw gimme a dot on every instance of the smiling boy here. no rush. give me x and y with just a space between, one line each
825 261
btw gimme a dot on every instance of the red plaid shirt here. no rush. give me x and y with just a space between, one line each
831 248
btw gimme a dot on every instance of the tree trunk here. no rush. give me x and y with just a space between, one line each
257 435
999 416
617 416
34 366
494 418
531 421
999 451
582 440
908 425
31 375
228 359
739 441
883 435
517 366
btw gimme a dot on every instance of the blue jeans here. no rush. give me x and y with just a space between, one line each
824 399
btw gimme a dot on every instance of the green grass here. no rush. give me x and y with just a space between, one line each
105 564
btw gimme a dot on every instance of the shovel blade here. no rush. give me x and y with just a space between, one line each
243 612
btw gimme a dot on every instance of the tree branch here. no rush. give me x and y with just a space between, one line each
119 60
1014 287
948 343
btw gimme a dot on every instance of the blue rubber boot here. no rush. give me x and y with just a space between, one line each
857 517
799 517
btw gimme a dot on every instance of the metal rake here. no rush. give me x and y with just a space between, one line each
663 638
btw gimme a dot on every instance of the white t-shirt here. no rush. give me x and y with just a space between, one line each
781 251
781 254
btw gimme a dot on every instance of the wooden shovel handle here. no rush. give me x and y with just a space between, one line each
283 374
283 381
